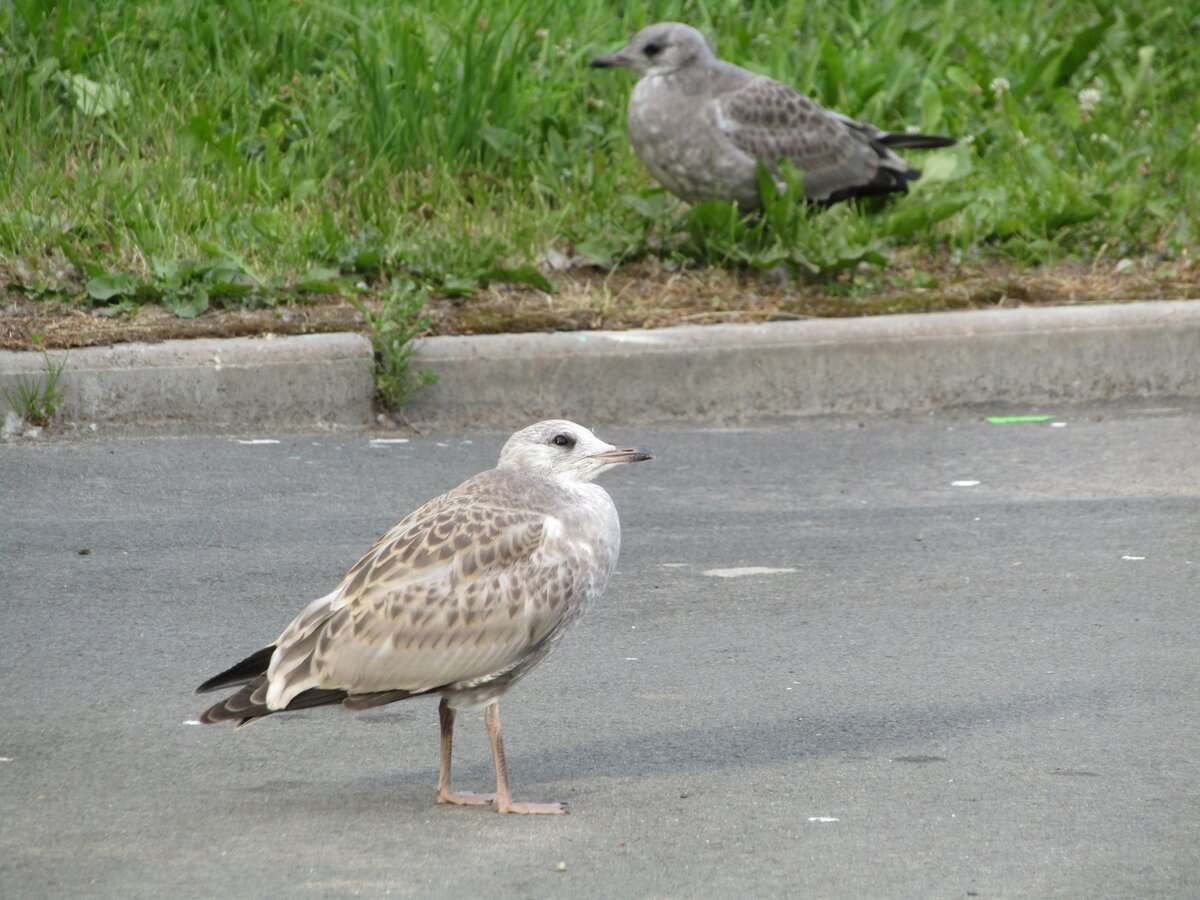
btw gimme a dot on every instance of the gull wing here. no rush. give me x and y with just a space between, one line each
459 592
769 121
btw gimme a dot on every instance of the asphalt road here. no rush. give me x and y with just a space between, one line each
978 690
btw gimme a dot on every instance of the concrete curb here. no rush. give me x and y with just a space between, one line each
709 373
306 380
878 364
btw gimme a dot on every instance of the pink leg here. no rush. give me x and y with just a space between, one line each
444 794
503 800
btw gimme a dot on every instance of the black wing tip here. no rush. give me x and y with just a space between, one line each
908 141
248 669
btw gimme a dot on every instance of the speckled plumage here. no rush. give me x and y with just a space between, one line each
700 125
462 598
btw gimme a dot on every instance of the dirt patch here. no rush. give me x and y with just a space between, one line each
642 296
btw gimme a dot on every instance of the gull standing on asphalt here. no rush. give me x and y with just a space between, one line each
461 599
700 125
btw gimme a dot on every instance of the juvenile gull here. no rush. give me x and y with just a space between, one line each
700 124
462 598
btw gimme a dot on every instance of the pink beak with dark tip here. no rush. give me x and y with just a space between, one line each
633 454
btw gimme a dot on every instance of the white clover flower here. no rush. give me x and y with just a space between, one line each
999 87
1089 99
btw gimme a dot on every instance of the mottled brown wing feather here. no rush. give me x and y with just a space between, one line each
459 590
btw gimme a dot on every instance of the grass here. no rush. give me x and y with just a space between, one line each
36 399
401 318
228 154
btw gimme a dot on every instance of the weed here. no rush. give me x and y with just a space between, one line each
393 328
37 398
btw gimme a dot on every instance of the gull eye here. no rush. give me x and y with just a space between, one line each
652 49
563 440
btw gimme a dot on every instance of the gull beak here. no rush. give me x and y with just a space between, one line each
616 61
614 456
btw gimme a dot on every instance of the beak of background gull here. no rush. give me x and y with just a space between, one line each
614 456
616 61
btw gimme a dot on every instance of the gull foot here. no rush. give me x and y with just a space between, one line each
465 798
532 809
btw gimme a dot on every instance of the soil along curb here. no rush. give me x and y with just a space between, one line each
879 364
705 373
292 381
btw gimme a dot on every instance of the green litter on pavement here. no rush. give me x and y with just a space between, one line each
1012 420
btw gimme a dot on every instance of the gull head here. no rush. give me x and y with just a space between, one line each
564 451
659 50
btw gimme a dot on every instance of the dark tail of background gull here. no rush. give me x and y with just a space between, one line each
893 174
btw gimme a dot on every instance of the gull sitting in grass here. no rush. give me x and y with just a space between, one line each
701 125
461 599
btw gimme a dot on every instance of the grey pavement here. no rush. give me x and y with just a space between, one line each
990 689
711 373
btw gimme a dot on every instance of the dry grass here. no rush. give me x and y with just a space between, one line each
641 296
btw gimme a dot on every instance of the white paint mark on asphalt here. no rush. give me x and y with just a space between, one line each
673 565
259 441
389 440
746 570
966 483
1058 424
823 819
1133 557
191 722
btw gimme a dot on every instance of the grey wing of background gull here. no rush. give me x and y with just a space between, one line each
838 156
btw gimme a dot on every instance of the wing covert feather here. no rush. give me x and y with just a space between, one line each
462 589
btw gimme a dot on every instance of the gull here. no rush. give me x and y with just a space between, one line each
461 599
700 125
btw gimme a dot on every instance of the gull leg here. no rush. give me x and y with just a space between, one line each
503 801
444 794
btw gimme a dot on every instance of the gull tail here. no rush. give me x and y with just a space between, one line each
250 703
893 174
887 180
